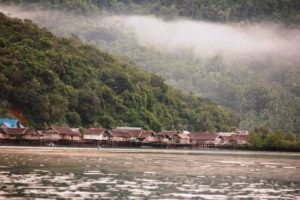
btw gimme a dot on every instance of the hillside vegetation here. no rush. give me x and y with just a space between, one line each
264 91
287 11
58 80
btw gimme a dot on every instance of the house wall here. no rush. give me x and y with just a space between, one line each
164 140
93 137
184 141
76 138
133 139
205 141
117 139
218 141
12 137
31 137
66 137
150 139
51 136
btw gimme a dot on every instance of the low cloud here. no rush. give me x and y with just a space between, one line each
254 42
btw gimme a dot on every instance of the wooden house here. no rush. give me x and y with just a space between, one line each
2 133
235 138
31 134
206 138
238 139
147 137
51 134
166 136
77 136
55 133
119 136
95 134
12 133
134 132
181 138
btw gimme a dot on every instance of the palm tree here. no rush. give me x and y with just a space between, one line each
60 65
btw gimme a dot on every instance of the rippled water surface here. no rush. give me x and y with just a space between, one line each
91 174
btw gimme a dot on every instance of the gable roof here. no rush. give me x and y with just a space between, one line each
63 130
134 131
117 133
11 123
145 134
169 134
30 131
183 136
14 131
204 136
94 131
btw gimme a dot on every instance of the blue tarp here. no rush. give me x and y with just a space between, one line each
11 123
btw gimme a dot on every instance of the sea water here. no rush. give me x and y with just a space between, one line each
136 174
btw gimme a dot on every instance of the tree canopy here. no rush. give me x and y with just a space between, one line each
56 80
287 11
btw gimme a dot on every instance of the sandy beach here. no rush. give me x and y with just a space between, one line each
103 151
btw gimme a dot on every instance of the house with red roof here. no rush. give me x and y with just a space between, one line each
31 134
235 138
95 134
147 136
206 138
12 133
134 132
55 133
119 136
238 139
166 136
181 138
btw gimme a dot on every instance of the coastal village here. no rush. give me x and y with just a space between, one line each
13 132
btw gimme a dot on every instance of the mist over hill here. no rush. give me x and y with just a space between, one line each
249 64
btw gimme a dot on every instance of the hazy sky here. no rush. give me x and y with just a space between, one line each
208 39
238 41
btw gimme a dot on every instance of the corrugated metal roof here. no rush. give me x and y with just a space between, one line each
11 123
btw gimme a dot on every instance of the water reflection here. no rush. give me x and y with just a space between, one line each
147 176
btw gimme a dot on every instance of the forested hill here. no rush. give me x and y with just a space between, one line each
262 87
287 11
58 80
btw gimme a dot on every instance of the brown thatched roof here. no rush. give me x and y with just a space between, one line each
204 136
94 131
14 131
64 130
145 134
134 131
116 133
169 134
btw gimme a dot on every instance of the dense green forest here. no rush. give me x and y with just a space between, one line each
58 80
212 10
264 139
264 93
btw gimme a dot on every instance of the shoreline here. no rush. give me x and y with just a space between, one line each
88 150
